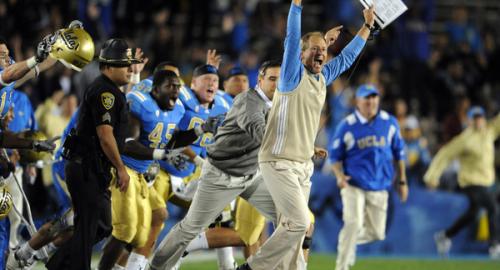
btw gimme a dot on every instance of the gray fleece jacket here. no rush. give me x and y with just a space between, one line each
237 142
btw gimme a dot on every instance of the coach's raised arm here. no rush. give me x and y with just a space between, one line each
310 50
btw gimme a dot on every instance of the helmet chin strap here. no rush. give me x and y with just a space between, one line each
69 65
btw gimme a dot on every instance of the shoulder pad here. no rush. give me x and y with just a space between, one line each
220 93
188 98
384 115
139 102
350 119
178 112
178 102
349 140
143 86
179 107
220 101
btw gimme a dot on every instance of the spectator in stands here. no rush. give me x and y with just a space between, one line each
418 156
462 32
340 102
455 121
401 111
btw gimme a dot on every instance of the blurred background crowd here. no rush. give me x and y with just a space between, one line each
431 65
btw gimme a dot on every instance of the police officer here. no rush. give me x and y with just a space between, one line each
92 150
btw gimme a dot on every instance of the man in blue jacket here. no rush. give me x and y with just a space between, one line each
364 147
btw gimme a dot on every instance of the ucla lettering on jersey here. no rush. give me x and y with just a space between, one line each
371 141
196 115
157 126
367 150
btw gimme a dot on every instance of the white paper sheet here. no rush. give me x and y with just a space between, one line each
386 11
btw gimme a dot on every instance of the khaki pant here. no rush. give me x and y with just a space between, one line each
289 184
364 215
215 191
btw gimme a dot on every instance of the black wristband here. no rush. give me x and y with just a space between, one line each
402 183
370 27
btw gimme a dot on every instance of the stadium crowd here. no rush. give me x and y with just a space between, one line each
430 66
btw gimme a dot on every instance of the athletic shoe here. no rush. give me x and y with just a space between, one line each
443 243
234 267
244 266
495 252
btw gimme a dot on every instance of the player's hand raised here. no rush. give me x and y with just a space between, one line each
139 54
44 46
213 58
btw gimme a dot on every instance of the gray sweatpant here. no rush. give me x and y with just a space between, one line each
215 191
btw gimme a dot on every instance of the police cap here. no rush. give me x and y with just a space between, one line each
115 52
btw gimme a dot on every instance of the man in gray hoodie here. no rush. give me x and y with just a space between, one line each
231 169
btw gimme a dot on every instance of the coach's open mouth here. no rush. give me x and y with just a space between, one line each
318 61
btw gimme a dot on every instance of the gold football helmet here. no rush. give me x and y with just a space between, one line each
73 47
5 202
32 156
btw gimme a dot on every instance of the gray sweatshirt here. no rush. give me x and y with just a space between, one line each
236 145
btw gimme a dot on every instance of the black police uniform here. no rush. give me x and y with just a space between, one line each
88 172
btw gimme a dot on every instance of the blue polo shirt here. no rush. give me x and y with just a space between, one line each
368 149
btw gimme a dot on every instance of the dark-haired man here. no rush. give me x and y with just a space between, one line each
139 213
248 222
231 171
92 152
235 83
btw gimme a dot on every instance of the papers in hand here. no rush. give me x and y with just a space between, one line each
386 11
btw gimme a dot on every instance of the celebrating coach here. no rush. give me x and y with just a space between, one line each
288 144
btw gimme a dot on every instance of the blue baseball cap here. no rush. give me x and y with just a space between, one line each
235 71
204 69
366 90
475 111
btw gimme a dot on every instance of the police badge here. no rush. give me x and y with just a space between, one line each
107 100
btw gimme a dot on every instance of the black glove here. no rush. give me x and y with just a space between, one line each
176 158
213 123
45 145
43 48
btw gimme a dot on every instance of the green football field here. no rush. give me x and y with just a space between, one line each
325 262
